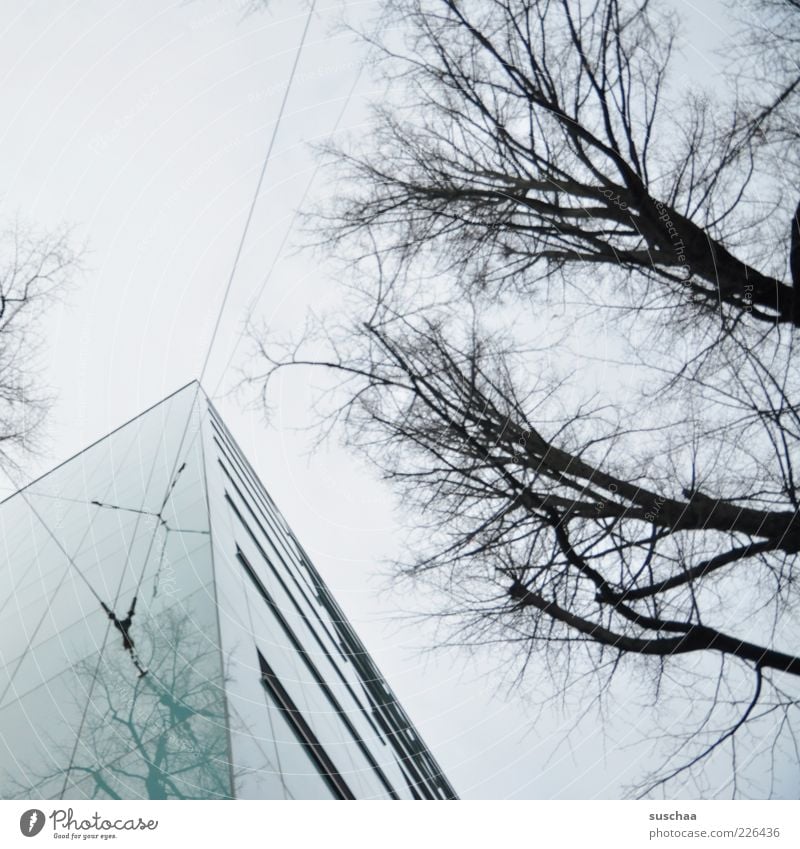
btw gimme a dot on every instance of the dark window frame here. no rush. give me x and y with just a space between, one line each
315 673
297 722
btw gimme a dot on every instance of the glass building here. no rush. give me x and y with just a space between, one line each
163 635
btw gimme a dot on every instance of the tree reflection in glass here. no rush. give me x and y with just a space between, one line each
158 736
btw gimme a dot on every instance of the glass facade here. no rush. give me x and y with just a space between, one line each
163 635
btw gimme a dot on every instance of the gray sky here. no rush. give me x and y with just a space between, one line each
143 125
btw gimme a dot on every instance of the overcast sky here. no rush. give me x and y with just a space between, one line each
143 125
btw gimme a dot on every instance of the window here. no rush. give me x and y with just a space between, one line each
302 730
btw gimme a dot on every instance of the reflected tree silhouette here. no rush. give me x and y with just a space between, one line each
161 736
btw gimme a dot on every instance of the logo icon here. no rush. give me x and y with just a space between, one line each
31 822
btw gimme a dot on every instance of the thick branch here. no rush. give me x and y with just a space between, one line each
696 638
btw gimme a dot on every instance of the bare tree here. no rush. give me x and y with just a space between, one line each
541 137
35 269
767 68
539 158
